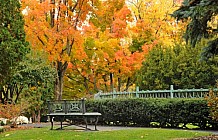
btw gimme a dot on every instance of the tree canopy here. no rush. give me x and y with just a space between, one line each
178 66
13 45
31 74
202 18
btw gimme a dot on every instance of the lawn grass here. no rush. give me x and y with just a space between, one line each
128 134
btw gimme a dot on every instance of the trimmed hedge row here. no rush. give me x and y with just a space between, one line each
153 112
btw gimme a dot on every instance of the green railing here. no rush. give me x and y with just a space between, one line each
171 93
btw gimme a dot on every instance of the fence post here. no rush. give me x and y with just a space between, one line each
97 95
114 92
171 91
137 92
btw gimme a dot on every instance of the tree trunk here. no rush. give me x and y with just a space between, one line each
59 82
111 82
127 84
33 116
58 88
1 95
119 84
105 83
119 81
85 83
39 116
95 84
62 66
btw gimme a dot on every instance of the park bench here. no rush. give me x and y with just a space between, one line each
71 111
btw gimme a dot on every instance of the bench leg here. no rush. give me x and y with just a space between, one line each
51 120
96 121
62 120
61 124
85 119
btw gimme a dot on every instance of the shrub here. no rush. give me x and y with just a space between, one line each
146 112
10 111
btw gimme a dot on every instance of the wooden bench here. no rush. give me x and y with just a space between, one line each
70 110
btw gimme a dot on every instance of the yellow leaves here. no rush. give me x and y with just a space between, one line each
154 17
33 88
213 23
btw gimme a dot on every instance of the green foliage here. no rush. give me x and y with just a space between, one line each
157 69
145 112
138 41
210 50
37 76
203 24
178 66
13 46
31 85
200 13
36 70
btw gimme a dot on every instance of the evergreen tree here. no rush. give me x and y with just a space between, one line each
13 46
202 15
178 66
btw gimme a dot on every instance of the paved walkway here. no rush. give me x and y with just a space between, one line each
101 128
80 127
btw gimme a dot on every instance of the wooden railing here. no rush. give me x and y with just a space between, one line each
171 93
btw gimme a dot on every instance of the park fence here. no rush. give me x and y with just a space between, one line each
171 93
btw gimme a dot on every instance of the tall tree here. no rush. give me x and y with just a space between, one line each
178 66
108 64
37 76
202 17
54 26
115 44
13 45
31 74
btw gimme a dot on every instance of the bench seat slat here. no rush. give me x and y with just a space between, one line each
75 114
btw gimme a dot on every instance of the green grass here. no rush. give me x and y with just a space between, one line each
128 134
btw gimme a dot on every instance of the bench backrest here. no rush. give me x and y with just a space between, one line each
66 106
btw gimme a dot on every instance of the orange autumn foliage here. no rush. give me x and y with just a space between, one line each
106 49
55 27
10 111
90 38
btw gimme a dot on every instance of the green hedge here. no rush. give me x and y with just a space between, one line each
149 112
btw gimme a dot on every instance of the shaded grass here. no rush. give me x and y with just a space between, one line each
128 134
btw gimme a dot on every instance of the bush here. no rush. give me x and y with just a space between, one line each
10 111
146 112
